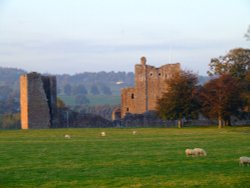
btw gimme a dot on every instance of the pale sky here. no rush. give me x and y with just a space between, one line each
72 36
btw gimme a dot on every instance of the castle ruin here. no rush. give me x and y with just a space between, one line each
150 83
37 101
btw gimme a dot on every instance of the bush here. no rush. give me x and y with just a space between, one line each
10 121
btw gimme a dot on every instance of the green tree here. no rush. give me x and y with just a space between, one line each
221 98
106 90
5 92
94 90
179 101
67 89
80 90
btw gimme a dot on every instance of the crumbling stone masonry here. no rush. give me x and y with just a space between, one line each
150 83
37 101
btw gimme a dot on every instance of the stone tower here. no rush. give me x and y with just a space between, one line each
150 83
37 101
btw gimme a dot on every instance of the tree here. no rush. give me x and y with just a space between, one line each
236 63
179 101
94 90
106 90
60 103
80 90
5 92
221 98
67 89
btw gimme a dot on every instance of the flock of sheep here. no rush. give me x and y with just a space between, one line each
201 152
189 152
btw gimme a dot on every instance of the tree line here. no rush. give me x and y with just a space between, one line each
226 94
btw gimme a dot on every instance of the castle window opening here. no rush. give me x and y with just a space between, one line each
159 74
132 96
151 74
127 109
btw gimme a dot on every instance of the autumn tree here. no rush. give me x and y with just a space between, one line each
60 103
179 100
221 98
236 63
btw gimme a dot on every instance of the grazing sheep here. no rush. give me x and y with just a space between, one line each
67 136
189 152
103 134
134 132
244 161
200 152
195 152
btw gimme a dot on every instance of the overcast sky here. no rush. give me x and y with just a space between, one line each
72 36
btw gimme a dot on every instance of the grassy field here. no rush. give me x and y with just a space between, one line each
151 158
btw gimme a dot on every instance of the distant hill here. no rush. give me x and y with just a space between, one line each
10 76
96 93
95 85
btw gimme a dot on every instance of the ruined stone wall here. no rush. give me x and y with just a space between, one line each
150 83
24 101
116 114
128 101
49 85
37 100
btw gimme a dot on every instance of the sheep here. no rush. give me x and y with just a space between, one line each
189 152
103 133
195 152
244 161
134 132
200 152
67 136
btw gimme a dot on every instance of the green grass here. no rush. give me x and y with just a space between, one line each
151 158
104 99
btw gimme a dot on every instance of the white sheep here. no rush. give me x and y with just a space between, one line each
134 132
244 161
67 136
189 152
195 152
103 133
200 152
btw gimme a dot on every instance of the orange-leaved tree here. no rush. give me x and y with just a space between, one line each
221 98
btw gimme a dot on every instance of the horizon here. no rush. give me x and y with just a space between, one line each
72 74
63 37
